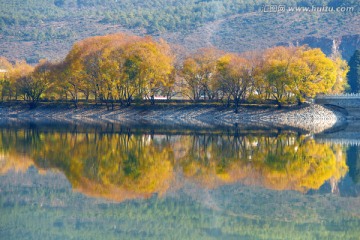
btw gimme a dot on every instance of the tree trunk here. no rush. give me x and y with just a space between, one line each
128 101
32 104
236 101
152 100
299 101
87 97
75 101
228 102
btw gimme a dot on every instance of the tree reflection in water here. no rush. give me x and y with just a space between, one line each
120 166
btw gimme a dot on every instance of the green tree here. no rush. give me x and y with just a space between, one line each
354 73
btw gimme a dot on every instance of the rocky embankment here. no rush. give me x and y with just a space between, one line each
310 117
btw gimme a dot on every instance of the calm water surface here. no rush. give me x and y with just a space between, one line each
113 182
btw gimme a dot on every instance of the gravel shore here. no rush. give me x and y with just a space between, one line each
309 117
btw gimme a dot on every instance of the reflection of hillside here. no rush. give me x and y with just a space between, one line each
124 166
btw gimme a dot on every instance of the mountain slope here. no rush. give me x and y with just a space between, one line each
35 29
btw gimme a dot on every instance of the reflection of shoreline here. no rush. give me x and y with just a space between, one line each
347 134
121 166
308 118
349 137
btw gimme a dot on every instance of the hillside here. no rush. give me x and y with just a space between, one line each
33 30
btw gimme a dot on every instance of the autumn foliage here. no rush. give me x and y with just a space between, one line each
121 166
119 68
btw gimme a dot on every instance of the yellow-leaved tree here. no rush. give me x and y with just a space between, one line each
276 73
199 74
234 77
5 86
296 73
148 66
319 76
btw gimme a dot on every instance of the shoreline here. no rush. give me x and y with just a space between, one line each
311 118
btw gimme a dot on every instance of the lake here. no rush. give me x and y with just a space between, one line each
113 181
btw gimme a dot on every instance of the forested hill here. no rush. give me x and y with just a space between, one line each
35 29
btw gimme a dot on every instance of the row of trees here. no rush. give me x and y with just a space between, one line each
119 68
284 74
107 69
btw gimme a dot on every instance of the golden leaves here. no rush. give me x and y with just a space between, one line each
121 166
